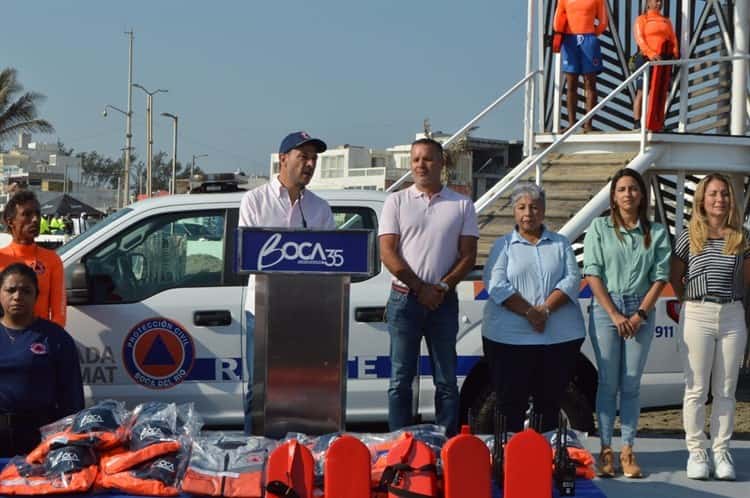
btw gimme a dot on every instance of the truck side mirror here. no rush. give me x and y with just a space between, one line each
77 289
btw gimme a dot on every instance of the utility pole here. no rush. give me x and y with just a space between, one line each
173 182
149 142
149 133
128 124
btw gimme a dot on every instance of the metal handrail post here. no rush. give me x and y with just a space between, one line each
471 123
513 177
644 108
528 100
498 189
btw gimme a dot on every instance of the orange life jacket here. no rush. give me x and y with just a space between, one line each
70 469
157 478
411 470
290 471
148 440
584 461
217 471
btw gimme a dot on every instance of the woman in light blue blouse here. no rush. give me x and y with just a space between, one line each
626 264
533 327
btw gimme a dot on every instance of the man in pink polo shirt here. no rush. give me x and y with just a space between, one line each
282 202
428 241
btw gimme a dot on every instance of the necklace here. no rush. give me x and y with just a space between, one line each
11 337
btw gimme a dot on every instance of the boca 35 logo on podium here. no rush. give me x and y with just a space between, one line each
305 251
308 253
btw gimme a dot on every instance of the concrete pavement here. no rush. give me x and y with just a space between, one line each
663 461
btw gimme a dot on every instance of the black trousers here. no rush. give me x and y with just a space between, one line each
18 439
541 371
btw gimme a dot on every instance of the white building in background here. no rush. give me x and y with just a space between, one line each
474 167
348 167
43 168
42 165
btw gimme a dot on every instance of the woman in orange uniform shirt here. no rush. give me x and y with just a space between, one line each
582 21
651 30
22 217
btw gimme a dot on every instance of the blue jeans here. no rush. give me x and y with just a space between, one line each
249 356
620 363
408 322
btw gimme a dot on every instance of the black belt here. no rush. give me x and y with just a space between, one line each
717 299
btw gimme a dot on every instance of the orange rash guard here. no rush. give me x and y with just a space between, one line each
580 17
51 303
651 30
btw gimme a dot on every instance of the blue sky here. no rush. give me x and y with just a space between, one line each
241 74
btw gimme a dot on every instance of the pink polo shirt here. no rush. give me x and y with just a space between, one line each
269 206
429 229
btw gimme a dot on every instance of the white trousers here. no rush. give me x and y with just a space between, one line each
714 338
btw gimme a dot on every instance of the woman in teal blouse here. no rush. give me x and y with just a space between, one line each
626 264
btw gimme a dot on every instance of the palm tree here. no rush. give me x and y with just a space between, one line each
19 114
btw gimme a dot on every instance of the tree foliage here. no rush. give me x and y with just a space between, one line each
104 172
18 109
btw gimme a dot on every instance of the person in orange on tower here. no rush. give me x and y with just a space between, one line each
651 30
22 217
582 21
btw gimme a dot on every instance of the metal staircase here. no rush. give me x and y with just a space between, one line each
575 168
570 182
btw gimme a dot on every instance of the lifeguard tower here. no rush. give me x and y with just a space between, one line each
705 127
706 130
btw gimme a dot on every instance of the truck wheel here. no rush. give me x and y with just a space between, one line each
574 405
482 414
578 409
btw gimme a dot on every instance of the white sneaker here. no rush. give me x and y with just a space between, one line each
724 466
697 465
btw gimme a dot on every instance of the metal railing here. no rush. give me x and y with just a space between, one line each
535 161
473 121
675 62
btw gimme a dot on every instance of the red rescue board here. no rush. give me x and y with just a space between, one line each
528 466
466 467
347 469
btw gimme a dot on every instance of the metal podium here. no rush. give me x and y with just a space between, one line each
302 323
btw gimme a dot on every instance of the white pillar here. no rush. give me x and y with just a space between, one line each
557 92
738 184
738 121
540 78
687 22
528 96
679 208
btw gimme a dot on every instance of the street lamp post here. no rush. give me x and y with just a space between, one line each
149 133
128 137
128 124
173 183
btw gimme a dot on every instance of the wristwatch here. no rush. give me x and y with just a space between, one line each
642 313
444 286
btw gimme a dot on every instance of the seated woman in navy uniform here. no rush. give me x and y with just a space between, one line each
40 377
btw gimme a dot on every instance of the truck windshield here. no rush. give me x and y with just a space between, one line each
91 231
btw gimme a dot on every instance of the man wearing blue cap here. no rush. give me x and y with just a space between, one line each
282 202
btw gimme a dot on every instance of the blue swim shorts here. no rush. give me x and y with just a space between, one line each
581 54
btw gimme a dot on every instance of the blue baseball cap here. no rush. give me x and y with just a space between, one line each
299 138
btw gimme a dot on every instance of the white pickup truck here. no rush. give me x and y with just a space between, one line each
164 267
